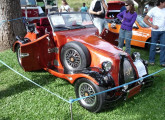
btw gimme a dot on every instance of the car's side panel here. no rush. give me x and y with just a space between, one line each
140 34
36 54
98 57
31 11
31 35
15 45
72 77
110 36
99 49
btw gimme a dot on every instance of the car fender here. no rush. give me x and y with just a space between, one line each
71 77
18 42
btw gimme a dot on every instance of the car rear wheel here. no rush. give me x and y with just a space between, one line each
85 87
18 52
75 56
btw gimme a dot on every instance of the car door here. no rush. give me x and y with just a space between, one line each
34 55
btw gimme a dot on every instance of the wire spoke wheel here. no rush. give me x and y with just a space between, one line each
83 88
73 58
86 89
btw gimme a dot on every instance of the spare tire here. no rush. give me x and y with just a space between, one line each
75 56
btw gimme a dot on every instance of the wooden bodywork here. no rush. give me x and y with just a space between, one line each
43 51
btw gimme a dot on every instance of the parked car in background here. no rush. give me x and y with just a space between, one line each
36 8
70 48
113 9
141 31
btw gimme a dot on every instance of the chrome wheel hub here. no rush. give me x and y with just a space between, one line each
73 58
85 89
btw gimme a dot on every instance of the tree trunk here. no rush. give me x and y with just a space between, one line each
9 28
141 8
141 4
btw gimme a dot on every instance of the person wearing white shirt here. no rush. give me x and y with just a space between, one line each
64 7
97 9
158 31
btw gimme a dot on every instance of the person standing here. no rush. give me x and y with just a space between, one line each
97 9
123 8
83 8
64 7
158 31
127 18
145 11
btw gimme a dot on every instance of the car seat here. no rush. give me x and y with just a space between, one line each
44 24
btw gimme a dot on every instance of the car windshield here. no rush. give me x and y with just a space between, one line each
27 2
139 19
70 20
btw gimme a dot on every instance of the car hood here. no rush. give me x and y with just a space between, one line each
90 40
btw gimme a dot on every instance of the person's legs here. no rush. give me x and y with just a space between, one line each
106 24
83 17
128 37
99 24
154 39
121 38
162 48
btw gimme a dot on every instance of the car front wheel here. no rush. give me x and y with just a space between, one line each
84 88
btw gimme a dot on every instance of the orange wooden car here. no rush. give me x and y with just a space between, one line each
69 48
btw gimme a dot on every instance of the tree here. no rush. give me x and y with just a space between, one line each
142 3
9 28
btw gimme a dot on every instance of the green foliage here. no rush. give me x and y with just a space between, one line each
20 99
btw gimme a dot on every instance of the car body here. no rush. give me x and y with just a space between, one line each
70 48
141 32
36 8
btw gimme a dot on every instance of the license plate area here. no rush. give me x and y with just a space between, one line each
133 91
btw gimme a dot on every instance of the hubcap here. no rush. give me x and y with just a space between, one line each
86 89
73 58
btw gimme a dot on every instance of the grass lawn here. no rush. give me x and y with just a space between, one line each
22 100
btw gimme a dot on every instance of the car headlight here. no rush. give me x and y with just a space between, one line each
106 66
136 56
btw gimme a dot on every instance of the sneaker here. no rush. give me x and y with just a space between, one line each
152 64
163 65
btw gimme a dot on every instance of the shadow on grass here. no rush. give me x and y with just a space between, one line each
5 118
131 101
3 68
26 85
75 116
